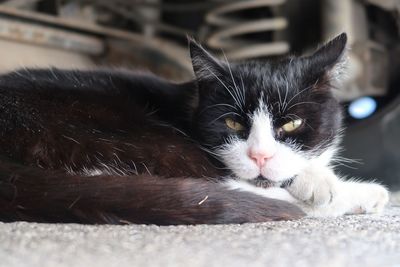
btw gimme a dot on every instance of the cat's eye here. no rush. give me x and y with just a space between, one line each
292 125
234 125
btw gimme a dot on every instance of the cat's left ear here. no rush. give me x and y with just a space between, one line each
330 58
205 65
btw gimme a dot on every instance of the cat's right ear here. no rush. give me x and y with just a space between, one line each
205 66
330 58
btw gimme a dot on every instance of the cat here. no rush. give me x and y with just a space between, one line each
242 142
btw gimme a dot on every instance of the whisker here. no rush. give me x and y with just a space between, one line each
301 91
280 101
243 90
224 85
302 103
211 153
295 117
233 79
227 113
286 95
217 105
342 164
172 127
347 160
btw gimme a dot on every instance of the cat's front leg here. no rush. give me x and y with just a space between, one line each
322 193
353 197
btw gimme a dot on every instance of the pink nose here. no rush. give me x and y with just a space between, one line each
259 157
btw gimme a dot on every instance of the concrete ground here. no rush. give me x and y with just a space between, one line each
362 240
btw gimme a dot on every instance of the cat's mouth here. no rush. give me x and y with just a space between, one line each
261 181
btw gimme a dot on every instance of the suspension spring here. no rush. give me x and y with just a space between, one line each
242 37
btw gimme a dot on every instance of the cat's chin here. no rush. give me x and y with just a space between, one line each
261 181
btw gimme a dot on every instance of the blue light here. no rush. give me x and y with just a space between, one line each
362 108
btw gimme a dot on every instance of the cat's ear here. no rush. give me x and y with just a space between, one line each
205 66
330 58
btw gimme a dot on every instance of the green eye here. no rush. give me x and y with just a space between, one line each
292 125
234 125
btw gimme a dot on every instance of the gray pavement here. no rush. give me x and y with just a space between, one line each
362 240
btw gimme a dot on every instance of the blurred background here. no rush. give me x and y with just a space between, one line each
151 34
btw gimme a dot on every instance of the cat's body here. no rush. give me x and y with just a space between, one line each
111 146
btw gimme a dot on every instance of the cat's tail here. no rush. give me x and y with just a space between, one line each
33 194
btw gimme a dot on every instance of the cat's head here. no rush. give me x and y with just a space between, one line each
269 119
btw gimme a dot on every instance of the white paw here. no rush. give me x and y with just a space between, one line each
315 186
373 199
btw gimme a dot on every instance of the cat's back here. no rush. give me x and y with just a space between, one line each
81 119
101 96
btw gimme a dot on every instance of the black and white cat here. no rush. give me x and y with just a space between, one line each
284 123
243 142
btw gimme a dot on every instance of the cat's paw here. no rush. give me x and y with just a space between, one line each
315 186
373 199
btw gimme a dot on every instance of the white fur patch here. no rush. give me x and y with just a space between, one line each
104 170
284 161
93 172
261 139
272 192
326 157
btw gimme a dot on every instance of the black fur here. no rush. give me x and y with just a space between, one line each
146 134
